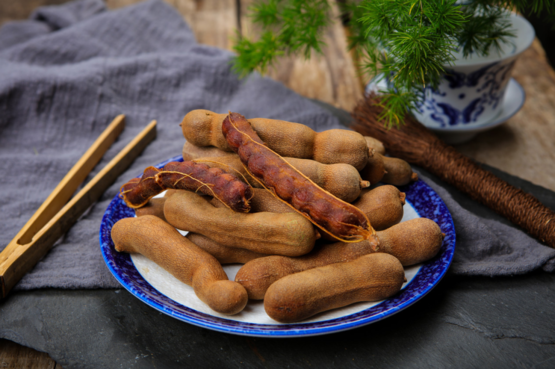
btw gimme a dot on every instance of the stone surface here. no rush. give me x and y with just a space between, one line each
477 322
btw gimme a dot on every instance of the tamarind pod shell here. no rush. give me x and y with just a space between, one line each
340 146
375 169
224 254
163 244
382 205
374 143
268 233
413 241
191 152
203 127
257 275
341 180
334 216
154 207
299 296
399 172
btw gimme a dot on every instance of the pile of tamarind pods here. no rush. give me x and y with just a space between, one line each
293 205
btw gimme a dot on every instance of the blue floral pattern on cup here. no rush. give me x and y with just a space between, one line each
463 98
425 200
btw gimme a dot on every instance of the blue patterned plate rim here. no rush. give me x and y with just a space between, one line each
423 198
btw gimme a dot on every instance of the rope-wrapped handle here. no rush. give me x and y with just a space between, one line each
417 145
519 207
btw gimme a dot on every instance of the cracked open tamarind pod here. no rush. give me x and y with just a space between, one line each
191 176
163 244
341 180
204 127
336 217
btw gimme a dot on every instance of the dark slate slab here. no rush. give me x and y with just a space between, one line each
463 323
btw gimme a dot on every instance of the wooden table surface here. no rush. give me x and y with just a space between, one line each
524 146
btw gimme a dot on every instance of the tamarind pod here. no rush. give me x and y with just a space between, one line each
299 296
191 176
203 128
257 275
153 207
341 180
375 169
374 143
398 172
383 205
411 242
224 254
263 200
334 216
267 233
163 244
191 152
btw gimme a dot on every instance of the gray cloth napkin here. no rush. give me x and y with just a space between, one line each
70 69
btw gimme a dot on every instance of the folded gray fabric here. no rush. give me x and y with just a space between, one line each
70 69
489 247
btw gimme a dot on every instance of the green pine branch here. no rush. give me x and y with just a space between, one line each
407 41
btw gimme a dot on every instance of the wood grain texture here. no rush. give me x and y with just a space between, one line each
15 356
21 9
525 145
213 21
330 77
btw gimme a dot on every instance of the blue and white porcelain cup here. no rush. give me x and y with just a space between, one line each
472 91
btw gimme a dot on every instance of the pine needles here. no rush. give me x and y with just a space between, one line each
408 42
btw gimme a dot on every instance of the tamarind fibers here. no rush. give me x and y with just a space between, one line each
416 144
192 176
334 216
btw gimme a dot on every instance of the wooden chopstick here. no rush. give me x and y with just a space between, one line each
55 217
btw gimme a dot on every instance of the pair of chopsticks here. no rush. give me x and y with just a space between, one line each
56 215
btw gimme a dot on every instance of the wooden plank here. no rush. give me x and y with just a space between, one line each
214 22
524 146
21 9
330 77
14 356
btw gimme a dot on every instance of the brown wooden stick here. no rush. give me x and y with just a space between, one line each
22 254
416 144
